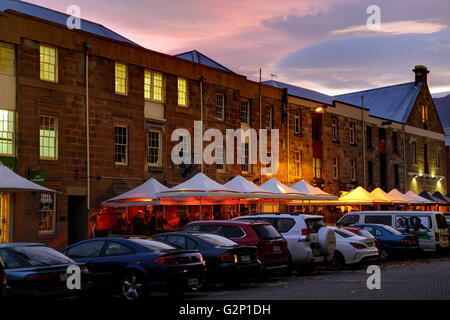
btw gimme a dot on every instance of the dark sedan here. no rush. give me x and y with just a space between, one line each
226 260
134 266
35 270
392 241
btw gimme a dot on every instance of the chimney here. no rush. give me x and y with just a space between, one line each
421 74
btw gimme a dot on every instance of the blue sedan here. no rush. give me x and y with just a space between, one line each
134 266
392 241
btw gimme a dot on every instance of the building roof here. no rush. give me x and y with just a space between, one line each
392 103
443 109
60 18
198 57
301 92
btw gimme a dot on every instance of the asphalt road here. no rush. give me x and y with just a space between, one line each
419 279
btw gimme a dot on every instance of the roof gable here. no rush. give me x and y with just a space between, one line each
392 103
197 57
60 18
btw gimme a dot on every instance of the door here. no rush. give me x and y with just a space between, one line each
4 217
77 219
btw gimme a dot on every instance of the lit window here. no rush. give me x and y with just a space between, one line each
220 106
121 78
153 86
7 132
352 133
47 214
334 130
335 168
317 168
245 161
182 92
220 166
297 165
438 157
297 123
269 118
48 63
353 170
48 138
245 111
7 58
154 148
121 145
424 115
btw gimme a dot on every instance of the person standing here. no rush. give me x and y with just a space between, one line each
138 223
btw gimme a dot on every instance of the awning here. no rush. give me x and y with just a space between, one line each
358 196
398 197
382 197
414 198
429 196
305 188
442 197
11 182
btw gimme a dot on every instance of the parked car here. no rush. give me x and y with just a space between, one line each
429 227
3 279
392 241
364 233
309 241
226 260
35 270
351 249
272 249
447 219
133 266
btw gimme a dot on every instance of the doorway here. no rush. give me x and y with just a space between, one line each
4 217
77 219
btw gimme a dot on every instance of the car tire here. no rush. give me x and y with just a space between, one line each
133 287
337 262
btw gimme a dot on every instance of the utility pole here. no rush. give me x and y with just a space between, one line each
363 142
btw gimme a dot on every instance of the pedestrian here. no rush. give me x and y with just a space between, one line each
184 219
122 223
138 223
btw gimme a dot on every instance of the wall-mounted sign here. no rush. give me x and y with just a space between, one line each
47 202
37 176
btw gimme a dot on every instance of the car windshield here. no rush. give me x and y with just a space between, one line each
41 256
267 232
216 240
392 231
153 245
344 233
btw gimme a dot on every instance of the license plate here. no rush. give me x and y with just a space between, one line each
193 282
245 258
276 249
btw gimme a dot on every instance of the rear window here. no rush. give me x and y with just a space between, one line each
379 219
314 224
441 222
392 231
202 227
217 240
153 244
348 220
267 232
365 233
344 233
231 232
33 257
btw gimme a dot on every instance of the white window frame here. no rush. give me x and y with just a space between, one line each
126 145
245 166
297 123
220 106
352 133
182 95
118 77
46 212
149 85
220 167
159 148
41 137
245 111
317 168
334 129
7 132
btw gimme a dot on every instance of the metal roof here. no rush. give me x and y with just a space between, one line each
392 103
60 18
197 57
301 92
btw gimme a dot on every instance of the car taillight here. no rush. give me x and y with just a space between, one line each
357 245
41 277
85 271
436 235
406 242
167 260
254 243
305 232
228 258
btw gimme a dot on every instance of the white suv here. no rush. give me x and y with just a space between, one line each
309 240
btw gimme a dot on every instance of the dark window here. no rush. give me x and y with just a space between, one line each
86 250
153 245
178 241
396 175
9 260
370 172
369 137
202 227
283 225
425 159
116 249
231 232
378 219
217 240
190 244
266 232
316 127
394 141
314 224
348 220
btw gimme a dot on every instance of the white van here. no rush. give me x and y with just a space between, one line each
429 227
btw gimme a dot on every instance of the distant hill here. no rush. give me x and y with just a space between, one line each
443 108
440 94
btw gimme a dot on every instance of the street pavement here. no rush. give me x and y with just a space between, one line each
418 279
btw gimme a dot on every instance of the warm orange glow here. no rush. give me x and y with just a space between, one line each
319 109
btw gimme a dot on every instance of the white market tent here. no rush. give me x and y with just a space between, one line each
415 198
284 192
397 196
248 188
11 182
358 196
305 188
143 195
381 195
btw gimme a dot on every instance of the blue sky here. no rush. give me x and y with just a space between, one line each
320 44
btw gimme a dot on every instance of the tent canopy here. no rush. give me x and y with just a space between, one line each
275 186
12 182
442 197
358 196
240 184
415 198
139 196
397 196
304 187
381 196
199 183
429 196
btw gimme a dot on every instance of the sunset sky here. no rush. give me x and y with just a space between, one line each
319 44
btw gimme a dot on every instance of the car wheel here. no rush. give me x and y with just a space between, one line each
337 262
384 254
133 287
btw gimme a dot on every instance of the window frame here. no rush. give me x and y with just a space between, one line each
335 168
268 117
56 140
5 123
297 164
159 163
53 216
317 168
352 170
126 145
247 103
297 123
221 167
150 86
246 166
220 107
41 62
116 85
8 47
185 93
334 130
352 137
